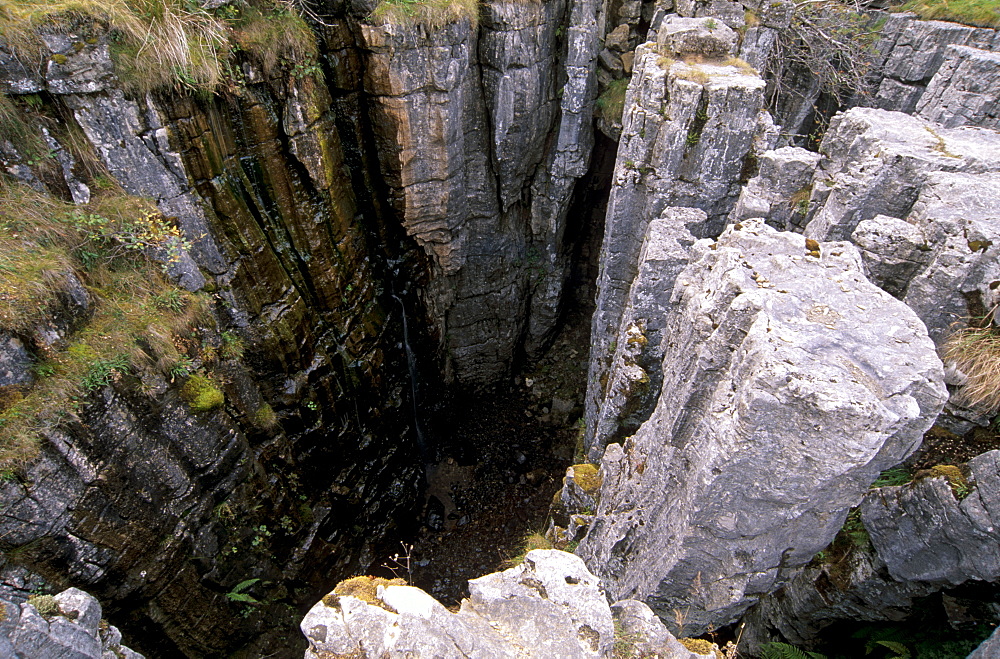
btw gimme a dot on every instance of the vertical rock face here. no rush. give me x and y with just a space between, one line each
964 91
911 51
480 154
161 509
781 402
687 131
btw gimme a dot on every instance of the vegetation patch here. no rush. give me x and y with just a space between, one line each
46 605
44 244
611 103
168 44
432 13
982 13
587 477
531 542
201 394
976 352
365 588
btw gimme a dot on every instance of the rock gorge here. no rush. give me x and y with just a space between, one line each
380 215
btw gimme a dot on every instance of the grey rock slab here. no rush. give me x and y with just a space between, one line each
549 606
15 361
776 192
893 252
988 649
923 533
965 91
646 635
789 383
695 36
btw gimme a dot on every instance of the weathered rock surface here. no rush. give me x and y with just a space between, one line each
910 53
687 130
789 383
481 154
549 606
780 188
989 648
965 91
73 629
924 538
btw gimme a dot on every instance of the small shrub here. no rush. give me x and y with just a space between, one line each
265 418
45 605
201 394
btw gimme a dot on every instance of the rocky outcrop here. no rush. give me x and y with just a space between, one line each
926 536
687 131
550 605
67 625
161 509
780 404
780 190
910 53
964 91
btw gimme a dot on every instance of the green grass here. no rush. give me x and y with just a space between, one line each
168 44
43 242
432 13
976 352
611 103
982 13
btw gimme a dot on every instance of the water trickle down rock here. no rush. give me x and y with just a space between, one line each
789 383
480 154
687 130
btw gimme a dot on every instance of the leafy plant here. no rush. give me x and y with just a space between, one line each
238 593
776 650
893 476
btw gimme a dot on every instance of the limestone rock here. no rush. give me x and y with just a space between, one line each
709 37
988 648
646 635
965 91
687 132
892 251
778 190
634 374
550 605
924 533
789 383
15 361
71 631
877 162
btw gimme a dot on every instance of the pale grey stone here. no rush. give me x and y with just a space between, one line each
646 635
15 361
965 91
695 36
988 649
789 383
892 251
781 184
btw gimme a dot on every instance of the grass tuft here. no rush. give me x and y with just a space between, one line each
432 13
201 394
611 103
982 13
976 352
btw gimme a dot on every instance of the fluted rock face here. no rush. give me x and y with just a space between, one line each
687 131
481 133
160 509
789 383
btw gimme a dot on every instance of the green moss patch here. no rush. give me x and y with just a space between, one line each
365 588
587 477
201 394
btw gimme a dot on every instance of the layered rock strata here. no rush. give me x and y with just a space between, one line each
687 132
789 383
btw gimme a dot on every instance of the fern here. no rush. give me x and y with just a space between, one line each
900 651
237 594
776 650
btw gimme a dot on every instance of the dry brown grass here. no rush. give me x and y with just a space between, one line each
976 352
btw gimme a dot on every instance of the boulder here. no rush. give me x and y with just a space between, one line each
965 91
708 37
780 188
789 383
